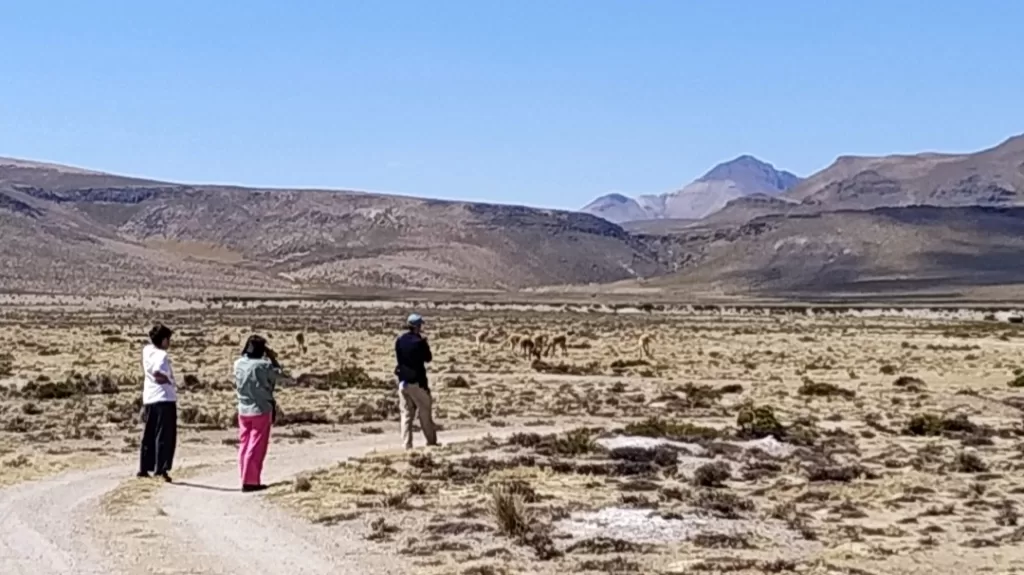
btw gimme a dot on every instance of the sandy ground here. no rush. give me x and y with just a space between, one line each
200 524
898 447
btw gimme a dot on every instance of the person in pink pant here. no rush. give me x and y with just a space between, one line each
257 373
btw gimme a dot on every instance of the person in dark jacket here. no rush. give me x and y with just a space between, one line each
412 353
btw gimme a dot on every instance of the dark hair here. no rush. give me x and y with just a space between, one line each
255 347
159 333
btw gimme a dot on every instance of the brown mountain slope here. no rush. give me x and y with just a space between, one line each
993 177
886 249
107 231
45 247
747 208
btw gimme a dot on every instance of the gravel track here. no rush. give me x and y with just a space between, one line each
202 524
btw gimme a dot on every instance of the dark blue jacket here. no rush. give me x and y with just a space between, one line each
412 353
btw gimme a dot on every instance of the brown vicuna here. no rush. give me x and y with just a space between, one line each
557 342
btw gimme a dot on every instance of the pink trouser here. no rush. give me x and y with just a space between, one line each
253 438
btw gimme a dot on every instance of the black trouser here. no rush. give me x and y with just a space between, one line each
160 437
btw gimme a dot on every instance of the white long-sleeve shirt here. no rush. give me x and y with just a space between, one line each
155 359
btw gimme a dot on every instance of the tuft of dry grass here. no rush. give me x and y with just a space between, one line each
507 509
302 484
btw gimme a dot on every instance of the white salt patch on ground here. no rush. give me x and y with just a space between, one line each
644 526
769 445
620 441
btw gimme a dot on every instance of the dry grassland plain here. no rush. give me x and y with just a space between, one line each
746 442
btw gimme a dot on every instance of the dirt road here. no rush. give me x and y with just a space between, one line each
201 524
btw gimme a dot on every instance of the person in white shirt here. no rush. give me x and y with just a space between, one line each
159 407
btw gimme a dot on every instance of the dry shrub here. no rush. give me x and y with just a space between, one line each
909 383
756 422
836 473
701 396
1017 381
399 500
613 565
812 388
572 443
730 388
756 470
346 376
968 462
381 530
723 541
1008 515
930 425
623 364
508 510
457 382
483 570
381 409
675 431
562 368
604 546
302 416
662 455
519 488
302 484
423 461
75 385
723 503
6 365
713 474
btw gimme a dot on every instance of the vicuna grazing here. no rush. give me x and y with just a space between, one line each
645 345
557 342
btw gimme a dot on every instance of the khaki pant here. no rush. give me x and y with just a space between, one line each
414 399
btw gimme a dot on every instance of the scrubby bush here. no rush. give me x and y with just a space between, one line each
1015 382
713 474
675 431
756 422
838 473
346 376
968 462
76 384
6 365
930 425
812 388
909 383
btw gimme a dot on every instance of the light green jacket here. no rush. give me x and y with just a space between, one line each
255 380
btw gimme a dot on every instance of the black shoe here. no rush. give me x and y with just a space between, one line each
142 475
253 488
164 476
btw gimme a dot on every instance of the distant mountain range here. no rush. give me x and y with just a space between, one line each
903 222
746 187
743 176
72 230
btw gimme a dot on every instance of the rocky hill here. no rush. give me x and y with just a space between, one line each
69 229
993 177
743 176
879 250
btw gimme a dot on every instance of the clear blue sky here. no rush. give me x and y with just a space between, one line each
540 102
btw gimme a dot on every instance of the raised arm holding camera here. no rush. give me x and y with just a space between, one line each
257 373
